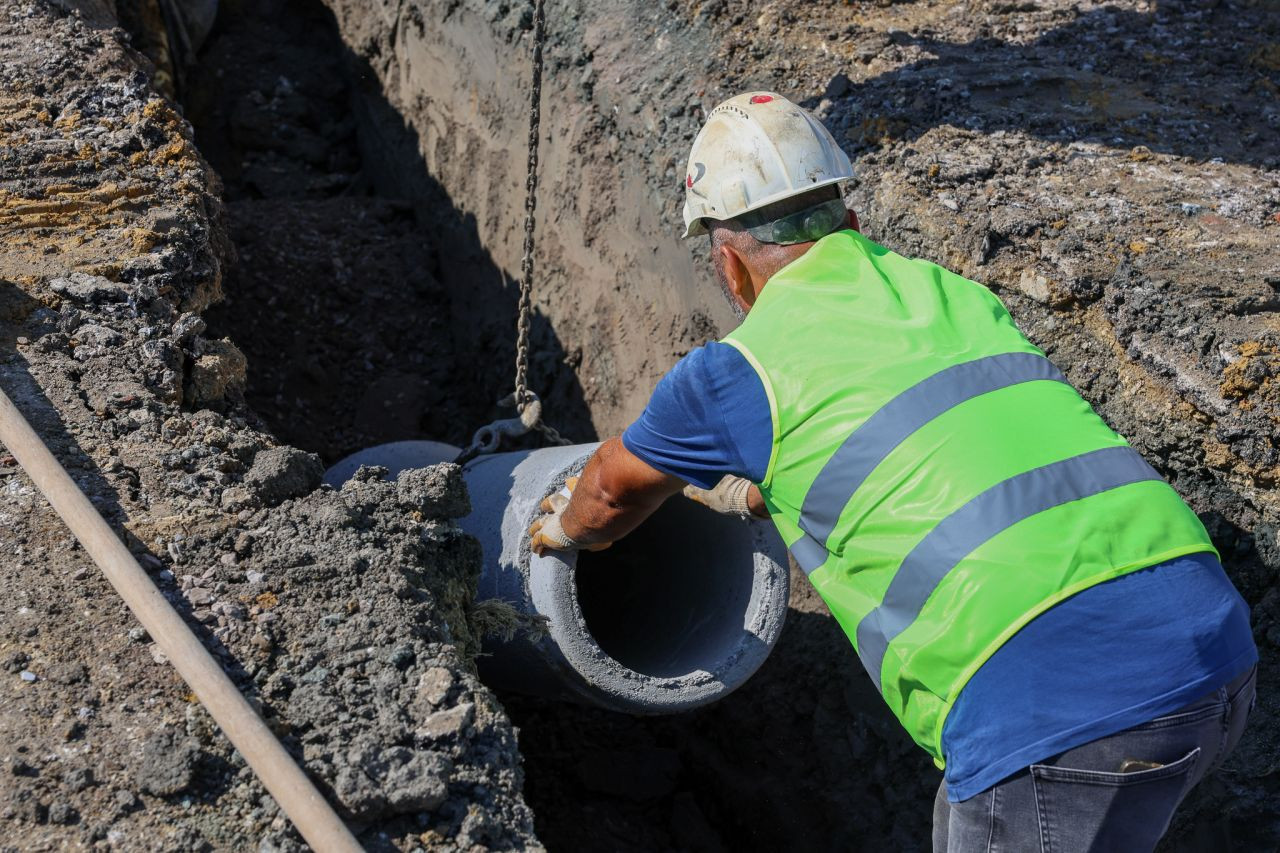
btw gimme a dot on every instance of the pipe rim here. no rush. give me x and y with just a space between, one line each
552 588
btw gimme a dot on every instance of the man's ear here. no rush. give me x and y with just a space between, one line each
737 277
853 221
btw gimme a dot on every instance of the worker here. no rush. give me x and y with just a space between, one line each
1038 607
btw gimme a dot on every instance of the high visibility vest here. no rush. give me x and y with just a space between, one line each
933 473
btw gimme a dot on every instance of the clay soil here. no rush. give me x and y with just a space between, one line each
323 260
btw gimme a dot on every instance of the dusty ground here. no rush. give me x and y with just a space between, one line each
1110 169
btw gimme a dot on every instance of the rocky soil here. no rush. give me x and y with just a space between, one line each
346 615
1111 169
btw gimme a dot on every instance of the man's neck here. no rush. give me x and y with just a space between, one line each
782 259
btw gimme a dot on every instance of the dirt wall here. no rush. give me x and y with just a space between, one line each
444 91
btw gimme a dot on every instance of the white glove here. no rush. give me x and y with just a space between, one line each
729 497
547 533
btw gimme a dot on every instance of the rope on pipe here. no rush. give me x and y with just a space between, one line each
283 779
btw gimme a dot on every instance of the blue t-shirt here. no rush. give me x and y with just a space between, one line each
1111 657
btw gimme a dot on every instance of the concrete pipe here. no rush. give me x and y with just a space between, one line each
676 615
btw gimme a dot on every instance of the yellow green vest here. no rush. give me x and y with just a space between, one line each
933 473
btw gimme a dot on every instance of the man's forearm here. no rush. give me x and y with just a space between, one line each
614 495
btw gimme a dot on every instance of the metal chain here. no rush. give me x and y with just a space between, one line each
488 438
523 396
530 208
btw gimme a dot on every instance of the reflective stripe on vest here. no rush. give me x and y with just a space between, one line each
870 443
986 516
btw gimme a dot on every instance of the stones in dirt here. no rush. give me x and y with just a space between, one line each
376 781
367 587
435 492
433 687
282 473
446 724
79 778
84 288
166 763
215 374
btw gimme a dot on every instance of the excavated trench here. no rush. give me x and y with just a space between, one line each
1109 167
356 306
373 186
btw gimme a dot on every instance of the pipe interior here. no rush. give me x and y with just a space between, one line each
674 597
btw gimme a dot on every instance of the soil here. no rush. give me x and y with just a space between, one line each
346 616
1111 170
335 297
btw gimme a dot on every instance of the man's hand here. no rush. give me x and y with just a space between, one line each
731 496
547 533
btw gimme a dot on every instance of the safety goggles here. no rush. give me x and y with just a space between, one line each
803 226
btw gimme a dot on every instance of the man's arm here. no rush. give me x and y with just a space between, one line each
681 437
616 492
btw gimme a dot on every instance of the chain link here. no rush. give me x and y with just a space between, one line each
523 396
530 210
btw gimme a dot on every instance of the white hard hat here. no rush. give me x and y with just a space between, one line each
755 149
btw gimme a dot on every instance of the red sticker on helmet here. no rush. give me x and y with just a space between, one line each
688 181
761 99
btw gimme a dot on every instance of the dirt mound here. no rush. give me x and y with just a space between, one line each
345 615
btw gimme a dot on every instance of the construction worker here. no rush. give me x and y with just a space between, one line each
1040 610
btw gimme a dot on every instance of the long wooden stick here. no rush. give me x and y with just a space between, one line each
299 799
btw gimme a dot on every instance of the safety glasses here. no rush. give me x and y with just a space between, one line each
803 226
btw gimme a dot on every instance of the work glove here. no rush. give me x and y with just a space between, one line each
547 534
729 497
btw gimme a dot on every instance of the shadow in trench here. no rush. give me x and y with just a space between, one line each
805 755
364 299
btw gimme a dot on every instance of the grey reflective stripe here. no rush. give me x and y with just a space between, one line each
870 443
990 513
809 553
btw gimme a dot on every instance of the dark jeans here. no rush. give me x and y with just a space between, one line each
1117 793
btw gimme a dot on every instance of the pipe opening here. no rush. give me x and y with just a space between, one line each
674 597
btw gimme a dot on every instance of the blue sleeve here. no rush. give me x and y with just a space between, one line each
708 417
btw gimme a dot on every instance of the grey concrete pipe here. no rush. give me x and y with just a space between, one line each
676 615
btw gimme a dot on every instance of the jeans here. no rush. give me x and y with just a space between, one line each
1117 793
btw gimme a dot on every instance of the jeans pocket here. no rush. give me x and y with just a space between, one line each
1184 717
1083 811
